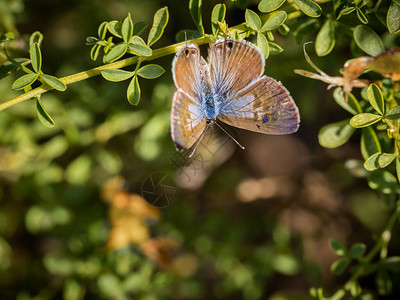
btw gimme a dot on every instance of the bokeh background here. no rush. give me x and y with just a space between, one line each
234 224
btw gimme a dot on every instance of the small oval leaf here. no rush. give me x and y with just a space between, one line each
339 266
159 22
94 53
375 97
102 30
275 20
310 8
357 250
133 92
252 19
378 161
36 37
115 28
383 181
115 53
369 142
325 40
338 247
262 43
139 27
368 40
217 15
150 71
351 105
393 113
139 47
269 5
335 134
361 16
54 82
43 116
36 57
24 81
116 75
127 29
363 120
195 11
392 18
274 48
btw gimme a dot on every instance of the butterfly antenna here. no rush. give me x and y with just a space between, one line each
228 134
185 38
199 140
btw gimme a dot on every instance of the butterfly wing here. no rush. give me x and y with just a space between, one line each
264 106
186 68
233 65
187 120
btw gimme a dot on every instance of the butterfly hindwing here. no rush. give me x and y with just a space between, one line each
233 65
187 120
264 106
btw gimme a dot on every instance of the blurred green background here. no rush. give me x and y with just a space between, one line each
243 224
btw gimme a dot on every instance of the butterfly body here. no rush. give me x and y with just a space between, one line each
228 87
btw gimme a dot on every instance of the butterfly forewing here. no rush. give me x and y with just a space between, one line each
186 68
187 120
234 65
264 106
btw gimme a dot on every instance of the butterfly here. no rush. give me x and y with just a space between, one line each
229 87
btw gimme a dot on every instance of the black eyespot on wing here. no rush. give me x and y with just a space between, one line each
258 126
229 45
187 52
265 118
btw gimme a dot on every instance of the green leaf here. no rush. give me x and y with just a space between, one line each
116 75
392 18
368 40
274 48
102 30
325 40
37 38
379 160
160 20
24 81
139 47
383 282
90 40
217 15
115 28
351 105
150 71
365 119
94 53
375 97
398 168
54 82
310 8
43 116
139 27
391 264
284 29
133 92
127 29
8 67
275 20
338 247
361 16
269 5
185 34
393 113
252 19
116 53
339 266
369 142
357 250
262 43
36 57
383 181
335 134
195 11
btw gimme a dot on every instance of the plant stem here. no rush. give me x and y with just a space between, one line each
97 71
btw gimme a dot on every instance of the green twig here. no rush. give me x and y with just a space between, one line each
97 71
